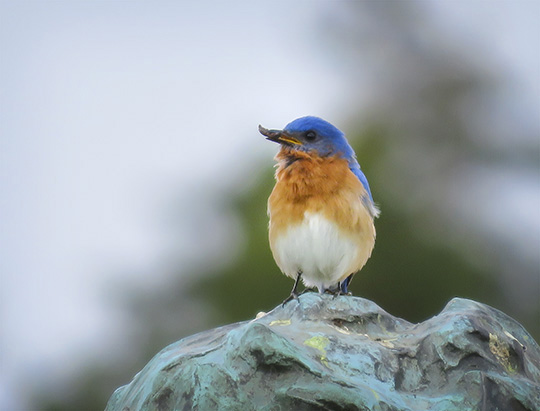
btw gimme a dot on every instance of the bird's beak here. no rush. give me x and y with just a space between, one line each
279 136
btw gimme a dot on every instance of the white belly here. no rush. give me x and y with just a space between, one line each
318 249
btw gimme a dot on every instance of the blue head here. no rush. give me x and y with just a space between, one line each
312 134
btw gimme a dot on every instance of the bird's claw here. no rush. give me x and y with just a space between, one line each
293 296
341 293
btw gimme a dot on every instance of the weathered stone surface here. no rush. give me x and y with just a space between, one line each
345 353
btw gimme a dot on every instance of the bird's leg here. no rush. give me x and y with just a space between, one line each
343 286
334 290
338 292
294 293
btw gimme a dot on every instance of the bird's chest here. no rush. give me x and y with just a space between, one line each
324 187
318 223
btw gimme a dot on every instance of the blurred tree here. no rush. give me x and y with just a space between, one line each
442 118
413 143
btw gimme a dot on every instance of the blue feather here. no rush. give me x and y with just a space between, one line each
333 142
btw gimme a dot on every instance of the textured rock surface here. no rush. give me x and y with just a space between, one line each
345 353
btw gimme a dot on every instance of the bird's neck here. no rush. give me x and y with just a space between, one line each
309 174
288 156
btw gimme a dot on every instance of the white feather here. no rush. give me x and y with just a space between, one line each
318 249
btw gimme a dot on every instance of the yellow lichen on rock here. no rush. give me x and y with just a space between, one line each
500 349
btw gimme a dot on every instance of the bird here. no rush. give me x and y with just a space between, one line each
321 211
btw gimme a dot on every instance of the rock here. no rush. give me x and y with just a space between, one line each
345 353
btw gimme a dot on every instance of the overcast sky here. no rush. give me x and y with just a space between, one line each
109 109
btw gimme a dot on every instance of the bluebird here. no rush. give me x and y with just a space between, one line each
321 210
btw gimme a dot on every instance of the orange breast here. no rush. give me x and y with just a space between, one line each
322 185
319 185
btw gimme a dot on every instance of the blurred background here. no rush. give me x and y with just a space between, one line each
134 181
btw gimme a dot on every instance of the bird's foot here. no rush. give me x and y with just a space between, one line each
293 296
337 291
334 291
306 290
340 292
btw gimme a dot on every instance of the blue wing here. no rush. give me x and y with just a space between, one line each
358 173
368 202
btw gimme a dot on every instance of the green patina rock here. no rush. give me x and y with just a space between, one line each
345 353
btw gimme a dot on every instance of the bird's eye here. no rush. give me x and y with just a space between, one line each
310 135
